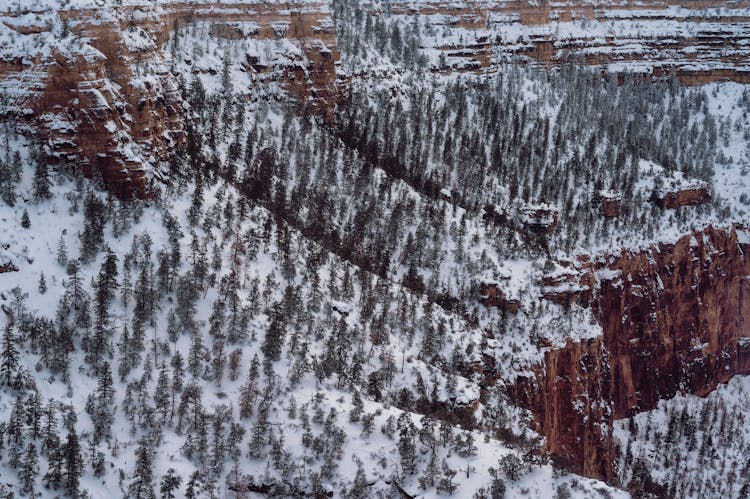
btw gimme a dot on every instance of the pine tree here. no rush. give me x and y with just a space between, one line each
8 181
194 485
62 252
446 484
9 359
360 488
141 487
25 222
29 469
99 405
406 444
274 339
196 354
41 185
249 390
72 463
429 478
34 414
15 433
54 474
357 407
177 380
162 394
50 440
169 483
42 284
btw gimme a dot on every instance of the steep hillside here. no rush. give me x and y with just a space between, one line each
298 250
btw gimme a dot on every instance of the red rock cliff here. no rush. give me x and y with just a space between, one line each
96 115
675 319
700 41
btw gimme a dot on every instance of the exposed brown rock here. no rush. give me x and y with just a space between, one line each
565 285
493 296
609 203
685 197
570 401
713 48
8 267
91 109
675 318
670 301
541 218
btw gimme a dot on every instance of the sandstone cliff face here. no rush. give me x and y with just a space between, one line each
698 41
493 296
675 319
685 197
570 400
98 110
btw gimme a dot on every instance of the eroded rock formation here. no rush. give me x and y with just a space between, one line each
675 319
493 296
697 41
570 399
112 108
685 197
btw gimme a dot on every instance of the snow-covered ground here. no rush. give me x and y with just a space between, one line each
689 446
344 330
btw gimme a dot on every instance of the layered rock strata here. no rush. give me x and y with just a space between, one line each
697 41
112 108
675 319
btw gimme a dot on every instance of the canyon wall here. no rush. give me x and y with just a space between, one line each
697 41
675 319
109 105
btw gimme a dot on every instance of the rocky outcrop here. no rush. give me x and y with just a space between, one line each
565 285
675 319
112 108
7 267
106 126
685 197
698 42
570 400
609 203
540 218
493 296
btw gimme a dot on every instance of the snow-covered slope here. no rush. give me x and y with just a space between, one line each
347 275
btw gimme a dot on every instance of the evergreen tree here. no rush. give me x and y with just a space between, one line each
72 467
99 405
142 487
360 488
169 483
41 185
274 339
162 395
29 469
25 222
406 443
62 252
446 485
9 359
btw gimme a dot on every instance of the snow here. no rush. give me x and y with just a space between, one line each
517 342
35 249
673 454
